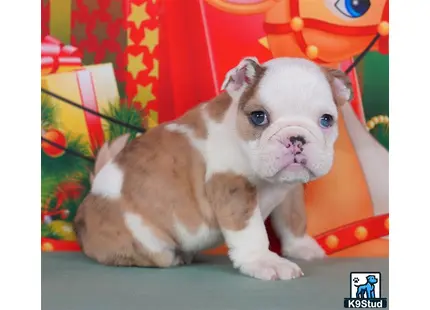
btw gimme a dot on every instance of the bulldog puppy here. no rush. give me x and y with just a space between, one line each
216 173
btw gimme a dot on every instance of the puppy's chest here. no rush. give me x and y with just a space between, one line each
270 196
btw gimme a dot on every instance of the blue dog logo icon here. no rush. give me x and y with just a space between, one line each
366 290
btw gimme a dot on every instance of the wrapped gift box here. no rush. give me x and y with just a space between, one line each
122 32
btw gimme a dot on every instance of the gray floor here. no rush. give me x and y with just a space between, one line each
72 282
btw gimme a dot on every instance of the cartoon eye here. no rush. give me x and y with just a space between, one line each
353 8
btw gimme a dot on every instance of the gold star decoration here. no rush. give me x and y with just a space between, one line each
135 64
154 71
144 95
152 119
138 14
151 39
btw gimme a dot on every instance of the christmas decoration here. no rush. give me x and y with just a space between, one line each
65 179
57 137
63 229
122 32
93 87
377 120
126 113
57 57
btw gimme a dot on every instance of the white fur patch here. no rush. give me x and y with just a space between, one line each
143 233
249 243
108 182
296 87
202 239
249 251
223 153
173 127
270 196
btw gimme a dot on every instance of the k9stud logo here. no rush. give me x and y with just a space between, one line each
365 291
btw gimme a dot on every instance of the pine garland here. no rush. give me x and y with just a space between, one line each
48 113
125 113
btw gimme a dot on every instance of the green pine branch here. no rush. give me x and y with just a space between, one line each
48 113
125 113
66 168
47 232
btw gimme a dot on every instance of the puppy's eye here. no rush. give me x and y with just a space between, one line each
258 118
353 8
326 121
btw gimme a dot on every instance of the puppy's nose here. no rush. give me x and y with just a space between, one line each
297 140
295 144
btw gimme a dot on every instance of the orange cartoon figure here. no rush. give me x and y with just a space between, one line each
325 31
348 209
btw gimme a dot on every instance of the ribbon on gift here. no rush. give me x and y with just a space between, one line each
57 57
94 87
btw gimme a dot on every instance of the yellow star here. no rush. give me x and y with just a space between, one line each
263 41
152 119
144 95
135 64
154 71
138 14
151 39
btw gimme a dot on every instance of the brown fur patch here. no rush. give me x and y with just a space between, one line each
194 120
332 74
163 183
248 103
218 106
233 199
104 237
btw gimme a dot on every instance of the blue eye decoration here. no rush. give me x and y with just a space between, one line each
326 121
353 8
258 118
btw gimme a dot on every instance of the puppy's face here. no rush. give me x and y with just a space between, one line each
287 113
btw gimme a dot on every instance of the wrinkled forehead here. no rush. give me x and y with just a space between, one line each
297 88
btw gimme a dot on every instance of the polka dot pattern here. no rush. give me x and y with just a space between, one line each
354 233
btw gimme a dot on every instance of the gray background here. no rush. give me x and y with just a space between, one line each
70 281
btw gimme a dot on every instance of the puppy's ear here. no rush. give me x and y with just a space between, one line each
243 75
340 84
118 144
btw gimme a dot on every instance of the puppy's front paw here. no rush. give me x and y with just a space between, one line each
303 248
270 266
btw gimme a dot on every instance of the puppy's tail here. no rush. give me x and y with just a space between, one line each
108 152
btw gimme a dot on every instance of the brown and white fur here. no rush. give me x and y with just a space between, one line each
212 176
